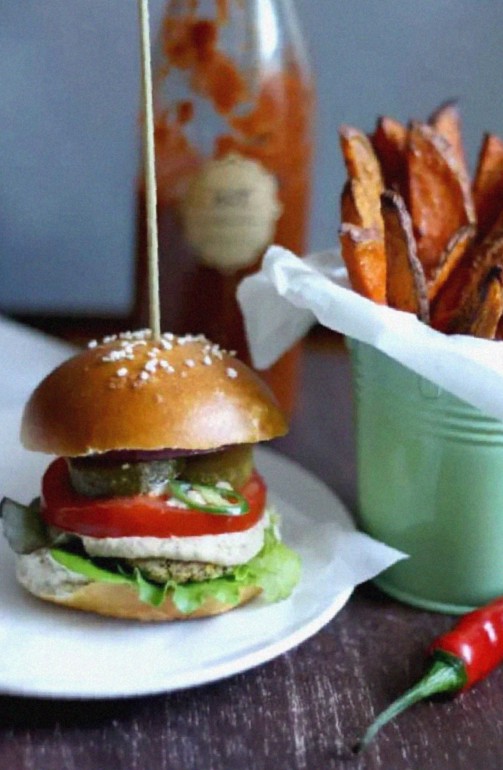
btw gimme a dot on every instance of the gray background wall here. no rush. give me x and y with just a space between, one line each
68 135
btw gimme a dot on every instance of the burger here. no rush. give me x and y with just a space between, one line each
153 508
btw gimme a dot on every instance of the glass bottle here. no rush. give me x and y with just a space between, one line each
233 102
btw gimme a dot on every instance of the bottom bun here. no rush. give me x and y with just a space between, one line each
43 578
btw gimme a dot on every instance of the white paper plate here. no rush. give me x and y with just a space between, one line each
53 652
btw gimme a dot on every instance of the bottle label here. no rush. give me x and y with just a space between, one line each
230 211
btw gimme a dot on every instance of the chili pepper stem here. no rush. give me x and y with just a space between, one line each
443 676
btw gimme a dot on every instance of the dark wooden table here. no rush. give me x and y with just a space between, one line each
302 711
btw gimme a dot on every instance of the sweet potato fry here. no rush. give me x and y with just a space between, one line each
455 295
488 184
499 330
438 202
453 254
357 205
488 315
364 174
447 121
349 211
405 280
389 141
362 250
482 309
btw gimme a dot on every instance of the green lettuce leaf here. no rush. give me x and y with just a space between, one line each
189 596
85 566
148 592
276 570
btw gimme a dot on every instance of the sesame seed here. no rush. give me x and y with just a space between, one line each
232 373
144 375
129 335
141 334
207 360
92 343
114 355
122 371
151 365
190 362
191 338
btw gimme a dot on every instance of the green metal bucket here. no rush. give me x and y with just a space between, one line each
430 483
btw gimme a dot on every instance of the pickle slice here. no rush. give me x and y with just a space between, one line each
234 465
95 478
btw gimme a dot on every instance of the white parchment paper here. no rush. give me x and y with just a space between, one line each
289 295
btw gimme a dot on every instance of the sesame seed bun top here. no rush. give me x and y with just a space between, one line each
134 393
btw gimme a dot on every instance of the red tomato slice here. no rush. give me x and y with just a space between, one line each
139 515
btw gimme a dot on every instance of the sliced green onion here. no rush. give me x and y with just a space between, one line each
217 500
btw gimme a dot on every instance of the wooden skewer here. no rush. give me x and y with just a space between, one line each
150 177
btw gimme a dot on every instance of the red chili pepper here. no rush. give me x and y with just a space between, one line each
459 659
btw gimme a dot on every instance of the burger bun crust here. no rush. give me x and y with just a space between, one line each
142 394
121 601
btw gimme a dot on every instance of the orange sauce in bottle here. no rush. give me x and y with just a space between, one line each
219 207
